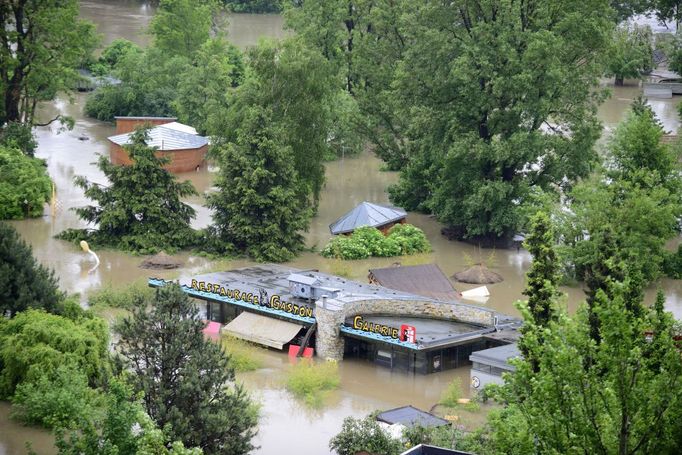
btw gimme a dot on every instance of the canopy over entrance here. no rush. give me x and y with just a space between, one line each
262 330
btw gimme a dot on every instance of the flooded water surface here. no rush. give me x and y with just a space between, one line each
364 387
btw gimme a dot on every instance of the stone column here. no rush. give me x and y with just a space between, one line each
329 341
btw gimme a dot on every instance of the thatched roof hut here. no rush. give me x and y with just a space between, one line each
478 274
161 261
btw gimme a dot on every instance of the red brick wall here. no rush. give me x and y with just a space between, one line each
181 160
128 124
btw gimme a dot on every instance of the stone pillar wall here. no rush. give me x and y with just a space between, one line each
329 342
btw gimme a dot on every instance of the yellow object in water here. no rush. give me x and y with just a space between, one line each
85 246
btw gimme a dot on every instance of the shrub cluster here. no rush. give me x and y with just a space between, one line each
402 239
311 381
24 184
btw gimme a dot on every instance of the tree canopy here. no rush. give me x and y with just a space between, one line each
42 44
187 381
141 208
631 53
24 283
25 186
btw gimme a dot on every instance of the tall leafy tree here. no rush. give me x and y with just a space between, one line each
619 396
631 53
24 283
42 43
141 209
500 98
258 207
187 381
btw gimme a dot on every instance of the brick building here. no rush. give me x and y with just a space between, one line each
179 142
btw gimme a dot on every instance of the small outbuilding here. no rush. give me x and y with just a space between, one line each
382 217
179 142
478 274
427 280
488 365
409 416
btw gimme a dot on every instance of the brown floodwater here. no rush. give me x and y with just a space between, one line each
364 387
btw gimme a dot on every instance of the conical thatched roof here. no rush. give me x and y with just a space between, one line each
478 274
160 261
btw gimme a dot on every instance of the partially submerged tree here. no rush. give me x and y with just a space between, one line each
42 44
631 53
187 381
259 208
141 209
24 283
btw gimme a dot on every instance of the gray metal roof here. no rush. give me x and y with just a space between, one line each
426 279
166 138
411 417
497 357
366 214
303 279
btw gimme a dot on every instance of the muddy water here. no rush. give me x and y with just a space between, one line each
349 181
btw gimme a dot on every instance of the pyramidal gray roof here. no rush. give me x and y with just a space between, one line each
173 136
366 214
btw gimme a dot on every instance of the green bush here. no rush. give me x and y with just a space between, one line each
20 136
57 399
243 355
364 435
126 297
402 239
311 382
24 184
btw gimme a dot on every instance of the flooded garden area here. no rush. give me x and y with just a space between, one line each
364 387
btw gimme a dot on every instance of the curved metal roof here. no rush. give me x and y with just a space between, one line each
366 214
172 136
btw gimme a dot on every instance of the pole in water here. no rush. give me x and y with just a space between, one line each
87 249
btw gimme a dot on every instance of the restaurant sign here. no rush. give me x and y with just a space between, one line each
261 298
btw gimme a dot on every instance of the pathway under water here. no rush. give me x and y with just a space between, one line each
285 422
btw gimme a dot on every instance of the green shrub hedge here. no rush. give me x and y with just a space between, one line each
402 239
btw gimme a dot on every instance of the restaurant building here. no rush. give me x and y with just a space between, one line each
276 306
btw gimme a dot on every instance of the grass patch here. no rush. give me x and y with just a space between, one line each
453 393
243 355
126 297
312 382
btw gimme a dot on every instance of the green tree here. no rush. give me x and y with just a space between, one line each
618 396
180 27
258 208
25 186
364 435
141 209
631 53
494 111
668 10
42 43
294 84
254 6
24 283
20 136
35 343
122 428
187 381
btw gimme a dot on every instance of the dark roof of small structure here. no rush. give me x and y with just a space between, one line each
366 214
161 261
478 274
423 449
410 417
426 279
166 137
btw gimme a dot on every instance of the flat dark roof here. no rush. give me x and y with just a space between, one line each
497 357
411 417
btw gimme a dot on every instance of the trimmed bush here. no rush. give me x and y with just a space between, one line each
402 239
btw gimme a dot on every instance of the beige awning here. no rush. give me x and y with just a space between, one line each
262 329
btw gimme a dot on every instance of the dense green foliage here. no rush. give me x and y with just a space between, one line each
475 115
56 399
42 44
127 297
180 27
25 186
631 53
187 381
619 395
121 426
24 283
402 239
358 435
628 211
19 136
311 382
243 355
258 208
35 343
140 210
254 6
